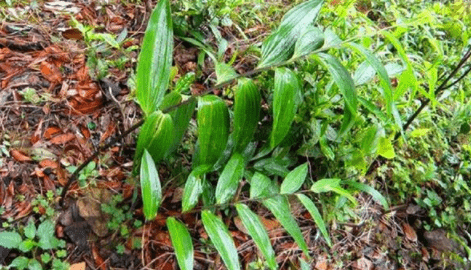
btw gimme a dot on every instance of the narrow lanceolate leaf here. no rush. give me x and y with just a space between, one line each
221 239
229 179
258 233
155 59
224 72
182 243
311 40
156 135
386 90
294 180
279 46
213 129
286 98
279 206
193 187
311 207
150 186
246 113
181 119
343 80
370 190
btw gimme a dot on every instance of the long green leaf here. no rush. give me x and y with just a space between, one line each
181 119
286 98
311 40
311 207
229 179
150 186
193 187
156 135
155 59
258 233
213 129
407 78
279 46
221 239
294 180
370 190
279 206
182 243
246 113
343 80
386 90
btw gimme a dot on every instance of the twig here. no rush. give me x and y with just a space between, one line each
442 87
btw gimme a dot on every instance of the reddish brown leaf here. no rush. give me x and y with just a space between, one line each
24 208
19 156
410 233
72 33
51 131
99 262
62 139
50 72
48 163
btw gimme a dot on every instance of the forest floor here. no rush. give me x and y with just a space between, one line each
57 108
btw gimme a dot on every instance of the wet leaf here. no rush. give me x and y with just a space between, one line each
246 113
155 59
150 186
258 233
294 180
156 135
193 187
229 179
311 40
182 243
279 46
286 98
213 129
221 239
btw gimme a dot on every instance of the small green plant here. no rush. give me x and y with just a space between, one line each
40 248
100 57
87 175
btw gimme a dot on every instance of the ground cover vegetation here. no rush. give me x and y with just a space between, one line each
243 134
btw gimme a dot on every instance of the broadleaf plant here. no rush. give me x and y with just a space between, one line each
229 150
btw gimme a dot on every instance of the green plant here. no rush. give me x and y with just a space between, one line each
39 242
233 154
87 175
99 54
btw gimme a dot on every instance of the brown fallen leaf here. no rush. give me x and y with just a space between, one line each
62 139
51 131
19 156
410 233
48 163
50 72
